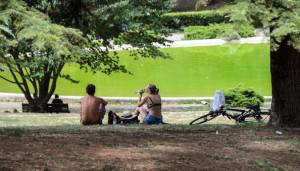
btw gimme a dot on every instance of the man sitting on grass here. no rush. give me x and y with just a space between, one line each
92 108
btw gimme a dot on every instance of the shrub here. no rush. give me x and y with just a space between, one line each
217 31
177 20
190 5
242 97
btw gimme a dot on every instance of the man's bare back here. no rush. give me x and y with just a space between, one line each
92 109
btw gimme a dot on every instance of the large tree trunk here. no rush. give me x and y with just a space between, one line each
38 107
40 100
285 71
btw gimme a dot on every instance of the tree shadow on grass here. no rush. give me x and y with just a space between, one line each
134 128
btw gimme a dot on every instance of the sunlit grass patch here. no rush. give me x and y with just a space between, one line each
193 71
21 123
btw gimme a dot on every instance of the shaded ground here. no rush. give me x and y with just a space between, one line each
149 148
59 142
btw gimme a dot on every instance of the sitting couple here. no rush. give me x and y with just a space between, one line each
92 108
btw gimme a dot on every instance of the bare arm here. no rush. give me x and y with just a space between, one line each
142 101
103 103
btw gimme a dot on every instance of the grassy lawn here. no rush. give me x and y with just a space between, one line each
195 71
71 121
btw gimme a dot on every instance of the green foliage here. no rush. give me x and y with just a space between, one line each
34 50
177 20
242 97
216 31
134 22
39 37
97 58
282 17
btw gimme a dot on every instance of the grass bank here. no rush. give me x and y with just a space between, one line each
194 71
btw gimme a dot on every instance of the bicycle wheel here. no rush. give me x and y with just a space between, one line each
204 118
243 117
252 115
262 116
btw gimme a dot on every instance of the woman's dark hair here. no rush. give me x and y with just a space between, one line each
56 96
90 89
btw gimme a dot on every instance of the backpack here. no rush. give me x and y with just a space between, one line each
113 118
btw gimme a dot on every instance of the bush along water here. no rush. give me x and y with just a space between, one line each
242 97
217 31
176 20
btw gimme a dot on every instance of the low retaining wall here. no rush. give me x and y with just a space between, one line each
13 97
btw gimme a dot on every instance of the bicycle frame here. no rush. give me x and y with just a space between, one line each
251 111
223 112
238 116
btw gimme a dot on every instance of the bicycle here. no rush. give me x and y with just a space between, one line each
240 116
255 112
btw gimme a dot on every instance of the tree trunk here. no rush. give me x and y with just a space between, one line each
38 107
285 71
39 103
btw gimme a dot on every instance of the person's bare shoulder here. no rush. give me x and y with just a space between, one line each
83 99
99 98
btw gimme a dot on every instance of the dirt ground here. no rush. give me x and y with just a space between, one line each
158 149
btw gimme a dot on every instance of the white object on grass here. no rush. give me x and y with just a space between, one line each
218 101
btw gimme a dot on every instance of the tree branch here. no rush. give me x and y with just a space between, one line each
36 81
25 89
10 81
15 77
21 73
26 94
54 80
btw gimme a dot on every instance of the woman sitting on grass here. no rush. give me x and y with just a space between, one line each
151 114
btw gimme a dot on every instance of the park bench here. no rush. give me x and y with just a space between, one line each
51 108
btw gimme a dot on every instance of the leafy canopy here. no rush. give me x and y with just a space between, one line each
33 49
30 40
134 22
39 37
281 17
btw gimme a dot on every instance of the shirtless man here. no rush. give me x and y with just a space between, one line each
92 108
